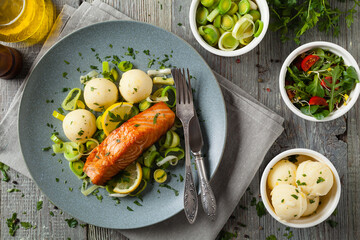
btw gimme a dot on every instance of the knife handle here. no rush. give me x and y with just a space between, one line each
190 196
207 195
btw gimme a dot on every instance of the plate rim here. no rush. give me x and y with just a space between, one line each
148 25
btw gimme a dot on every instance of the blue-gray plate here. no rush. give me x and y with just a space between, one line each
60 69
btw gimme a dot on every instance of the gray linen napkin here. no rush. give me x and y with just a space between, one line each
255 124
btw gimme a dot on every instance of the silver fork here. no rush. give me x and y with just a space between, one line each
185 112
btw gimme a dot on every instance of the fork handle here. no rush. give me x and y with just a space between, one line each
207 195
190 193
190 196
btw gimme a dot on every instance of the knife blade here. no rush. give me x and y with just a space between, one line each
196 143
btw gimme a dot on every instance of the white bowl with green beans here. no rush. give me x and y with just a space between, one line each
229 28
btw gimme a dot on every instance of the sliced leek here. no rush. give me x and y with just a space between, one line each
70 101
77 167
125 66
227 42
255 14
214 13
217 22
164 93
201 15
233 9
259 25
253 5
143 105
224 6
160 175
211 34
72 151
58 116
80 104
207 3
163 80
227 22
166 160
178 152
159 72
244 27
244 7
88 77
55 139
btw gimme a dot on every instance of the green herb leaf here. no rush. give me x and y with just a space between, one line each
319 180
39 205
72 222
271 237
260 209
13 224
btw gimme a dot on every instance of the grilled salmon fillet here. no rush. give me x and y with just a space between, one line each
126 143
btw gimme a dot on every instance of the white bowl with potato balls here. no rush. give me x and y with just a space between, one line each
300 188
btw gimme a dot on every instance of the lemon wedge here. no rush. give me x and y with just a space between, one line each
130 179
114 116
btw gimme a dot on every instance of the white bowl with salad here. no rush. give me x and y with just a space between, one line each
319 81
229 28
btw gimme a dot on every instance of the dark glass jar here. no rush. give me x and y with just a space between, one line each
10 62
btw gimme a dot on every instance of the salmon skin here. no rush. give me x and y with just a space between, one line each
126 143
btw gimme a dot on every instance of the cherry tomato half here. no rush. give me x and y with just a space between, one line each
318 101
328 79
308 61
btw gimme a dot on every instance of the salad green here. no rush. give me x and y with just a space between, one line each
318 82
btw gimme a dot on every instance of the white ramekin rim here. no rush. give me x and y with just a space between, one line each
265 17
301 151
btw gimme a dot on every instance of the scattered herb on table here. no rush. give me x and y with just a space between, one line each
271 237
4 168
39 205
225 235
260 209
13 224
72 222
26 225
293 18
332 223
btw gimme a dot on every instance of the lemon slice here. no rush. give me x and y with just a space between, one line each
130 179
114 116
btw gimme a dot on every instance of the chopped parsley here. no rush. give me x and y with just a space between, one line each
130 209
13 224
332 223
293 158
169 187
66 62
271 237
179 24
311 201
94 67
4 168
26 225
137 203
282 200
294 196
81 132
39 205
320 179
110 45
72 222
300 183
65 75
260 209
136 125
155 118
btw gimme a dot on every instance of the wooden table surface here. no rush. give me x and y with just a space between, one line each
257 73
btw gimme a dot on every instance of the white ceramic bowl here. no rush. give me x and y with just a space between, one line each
264 11
328 203
348 60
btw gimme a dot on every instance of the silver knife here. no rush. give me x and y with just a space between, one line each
196 144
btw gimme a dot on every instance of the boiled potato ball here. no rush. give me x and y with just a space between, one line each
79 125
100 93
135 86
